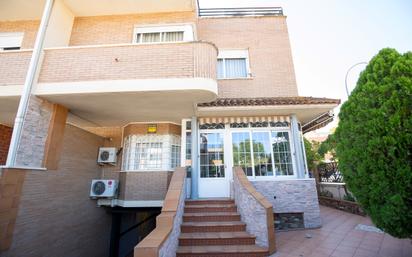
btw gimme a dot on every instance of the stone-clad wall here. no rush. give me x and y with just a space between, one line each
293 196
34 133
252 213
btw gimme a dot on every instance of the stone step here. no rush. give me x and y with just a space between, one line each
210 201
222 250
224 226
211 208
211 216
217 238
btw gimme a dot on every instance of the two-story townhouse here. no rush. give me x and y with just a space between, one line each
169 84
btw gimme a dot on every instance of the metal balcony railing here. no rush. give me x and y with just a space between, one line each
241 11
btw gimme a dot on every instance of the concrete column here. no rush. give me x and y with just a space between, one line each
195 160
297 143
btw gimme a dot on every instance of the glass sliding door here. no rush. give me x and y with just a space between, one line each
262 154
282 153
241 150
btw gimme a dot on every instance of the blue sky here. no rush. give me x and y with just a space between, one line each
328 37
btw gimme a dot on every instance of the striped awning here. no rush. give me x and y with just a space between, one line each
228 120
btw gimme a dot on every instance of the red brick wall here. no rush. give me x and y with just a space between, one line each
5 136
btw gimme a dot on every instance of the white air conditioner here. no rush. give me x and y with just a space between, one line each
107 155
103 188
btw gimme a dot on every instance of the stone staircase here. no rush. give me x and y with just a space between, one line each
213 228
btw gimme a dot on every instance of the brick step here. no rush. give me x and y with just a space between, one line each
211 216
211 208
216 238
224 226
210 201
222 250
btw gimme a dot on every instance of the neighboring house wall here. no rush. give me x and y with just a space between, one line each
29 28
5 137
56 217
293 196
270 54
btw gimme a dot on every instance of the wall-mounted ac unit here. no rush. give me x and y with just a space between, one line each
103 188
107 155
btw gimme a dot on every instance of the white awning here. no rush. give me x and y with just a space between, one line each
226 120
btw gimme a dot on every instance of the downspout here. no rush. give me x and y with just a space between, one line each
28 84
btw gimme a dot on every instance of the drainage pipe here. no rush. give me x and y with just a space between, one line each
28 84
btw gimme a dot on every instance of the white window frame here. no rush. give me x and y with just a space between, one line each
235 54
165 161
11 40
269 130
187 29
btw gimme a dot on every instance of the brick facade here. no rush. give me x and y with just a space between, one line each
144 186
13 67
29 28
5 137
270 55
180 60
56 216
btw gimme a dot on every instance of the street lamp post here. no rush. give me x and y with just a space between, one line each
347 73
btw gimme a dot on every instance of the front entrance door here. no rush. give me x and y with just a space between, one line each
214 178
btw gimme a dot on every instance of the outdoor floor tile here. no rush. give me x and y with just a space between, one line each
338 238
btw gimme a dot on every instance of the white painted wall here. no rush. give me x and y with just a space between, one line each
60 26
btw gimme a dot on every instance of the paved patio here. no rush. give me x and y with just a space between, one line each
339 238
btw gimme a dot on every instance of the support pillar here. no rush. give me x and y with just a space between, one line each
195 160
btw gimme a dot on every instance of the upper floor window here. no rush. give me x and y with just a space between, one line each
10 41
163 34
233 64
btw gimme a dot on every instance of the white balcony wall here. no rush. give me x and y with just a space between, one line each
60 26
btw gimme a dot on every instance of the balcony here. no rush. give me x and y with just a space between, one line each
115 84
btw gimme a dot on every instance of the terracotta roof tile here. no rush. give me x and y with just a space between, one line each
262 101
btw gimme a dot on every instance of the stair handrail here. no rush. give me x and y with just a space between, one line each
168 222
241 177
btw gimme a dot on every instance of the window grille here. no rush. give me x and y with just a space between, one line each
151 152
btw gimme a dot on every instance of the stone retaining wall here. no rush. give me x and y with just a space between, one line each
293 196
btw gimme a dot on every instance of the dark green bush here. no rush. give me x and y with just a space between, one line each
374 142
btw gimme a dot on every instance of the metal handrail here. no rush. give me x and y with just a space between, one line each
240 11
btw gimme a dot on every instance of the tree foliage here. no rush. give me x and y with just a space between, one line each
328 146
312 156
374 141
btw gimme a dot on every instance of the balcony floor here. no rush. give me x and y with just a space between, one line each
339 238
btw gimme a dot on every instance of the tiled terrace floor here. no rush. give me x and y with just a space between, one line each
339 238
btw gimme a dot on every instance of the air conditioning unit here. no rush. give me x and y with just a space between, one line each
103 188
107 155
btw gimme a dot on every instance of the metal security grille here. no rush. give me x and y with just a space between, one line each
151 152
243 11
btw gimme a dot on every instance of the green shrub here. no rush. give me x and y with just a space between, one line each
349 197
374 142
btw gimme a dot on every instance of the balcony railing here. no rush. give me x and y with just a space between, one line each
130 61
245 11
13 67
